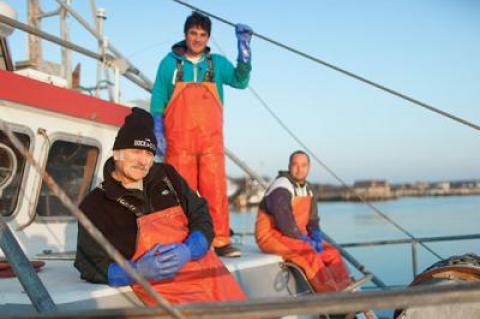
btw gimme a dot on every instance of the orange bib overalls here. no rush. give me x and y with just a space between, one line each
203 280
194 136
325 271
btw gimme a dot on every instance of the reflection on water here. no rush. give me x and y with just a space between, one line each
423 217
368 219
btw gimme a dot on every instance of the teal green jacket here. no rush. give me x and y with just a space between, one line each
224 73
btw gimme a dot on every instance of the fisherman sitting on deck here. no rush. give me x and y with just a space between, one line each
148 212
288 225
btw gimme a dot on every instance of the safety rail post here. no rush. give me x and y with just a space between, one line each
414 258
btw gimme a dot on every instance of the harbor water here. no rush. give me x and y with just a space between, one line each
349 222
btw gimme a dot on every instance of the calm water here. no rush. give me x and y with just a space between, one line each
423 217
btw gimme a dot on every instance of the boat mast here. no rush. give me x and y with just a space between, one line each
100 18
66 53
35 60
34 48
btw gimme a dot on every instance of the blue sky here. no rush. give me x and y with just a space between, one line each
426 49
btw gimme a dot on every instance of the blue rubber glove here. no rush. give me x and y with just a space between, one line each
244 36
317 237
198 244
149 265
308 240
160 135
173 257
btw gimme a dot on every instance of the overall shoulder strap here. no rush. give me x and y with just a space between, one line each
170 187
209 75
124 203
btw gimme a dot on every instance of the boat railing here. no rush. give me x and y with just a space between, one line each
329 303
413 244
388 242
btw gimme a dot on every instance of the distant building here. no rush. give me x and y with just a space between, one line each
410 189
372 190
465 187
421 186
328 192
439 188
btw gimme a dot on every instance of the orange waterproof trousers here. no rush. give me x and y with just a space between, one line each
199 281
194 135
325 271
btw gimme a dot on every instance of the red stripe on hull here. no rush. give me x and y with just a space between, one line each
23 90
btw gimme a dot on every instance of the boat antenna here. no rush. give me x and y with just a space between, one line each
341 70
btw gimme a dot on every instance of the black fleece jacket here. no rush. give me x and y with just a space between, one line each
118 224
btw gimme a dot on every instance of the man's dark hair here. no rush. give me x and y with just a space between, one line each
197 19
296 153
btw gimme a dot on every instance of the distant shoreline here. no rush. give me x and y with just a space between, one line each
250 193
378 190
394 198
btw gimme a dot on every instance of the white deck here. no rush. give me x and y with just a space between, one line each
64 285
252 257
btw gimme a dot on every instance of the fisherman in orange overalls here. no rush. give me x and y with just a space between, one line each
187 107
288 225
148 212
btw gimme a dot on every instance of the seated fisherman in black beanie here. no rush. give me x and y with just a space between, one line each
148 212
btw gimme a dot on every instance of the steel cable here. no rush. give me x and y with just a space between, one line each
328 169
343 71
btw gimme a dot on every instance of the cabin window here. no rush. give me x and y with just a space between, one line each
10 195
72 166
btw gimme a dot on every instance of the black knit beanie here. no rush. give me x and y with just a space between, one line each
137 132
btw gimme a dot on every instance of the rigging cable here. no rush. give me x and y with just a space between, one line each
337 177
328 169
343 71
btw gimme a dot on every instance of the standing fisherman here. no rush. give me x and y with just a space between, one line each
187 107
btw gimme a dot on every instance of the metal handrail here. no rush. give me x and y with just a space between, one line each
390 241
400 241
413 244
409 241
331 303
